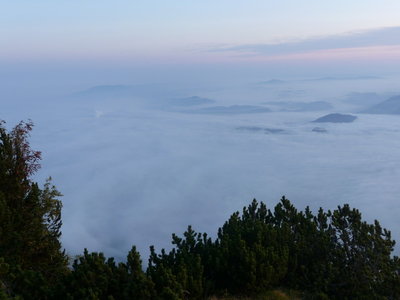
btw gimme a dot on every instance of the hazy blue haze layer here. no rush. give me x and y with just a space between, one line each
134 165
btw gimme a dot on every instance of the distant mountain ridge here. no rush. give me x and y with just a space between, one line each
154 96
272 82
121 91
390 106
301 106
336 118
230 110
362 98
189 101
336 78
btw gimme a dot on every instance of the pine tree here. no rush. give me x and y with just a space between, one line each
30 217
362 256
252 252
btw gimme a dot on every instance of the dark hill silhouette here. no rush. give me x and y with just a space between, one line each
301 106
190 101
343 78
336 118
272 82
231 110
319 130
117 91
261 129
363 100
390 106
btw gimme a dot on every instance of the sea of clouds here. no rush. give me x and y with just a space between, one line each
134 164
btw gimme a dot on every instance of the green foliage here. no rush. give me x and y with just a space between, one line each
182 270
30 219
251 253
328 255
95 277
362 257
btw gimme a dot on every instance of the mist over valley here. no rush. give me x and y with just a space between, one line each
137 162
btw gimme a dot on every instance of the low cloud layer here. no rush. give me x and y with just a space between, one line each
133 173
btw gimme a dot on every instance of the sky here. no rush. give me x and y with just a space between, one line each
187 32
